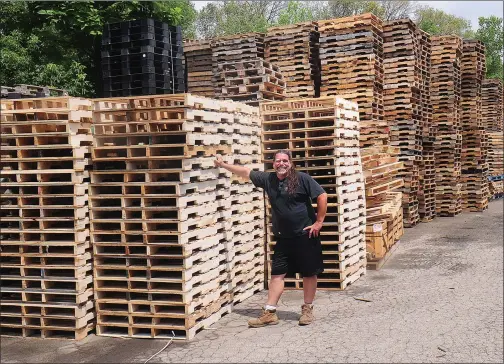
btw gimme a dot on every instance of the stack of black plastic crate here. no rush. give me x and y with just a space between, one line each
142 57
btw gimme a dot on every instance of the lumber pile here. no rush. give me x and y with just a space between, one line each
323 136
492 104
46 268
142 57
176 241
351 56
198 60
295 50
445 98
384 213
406 103
474 139
252 81
231 49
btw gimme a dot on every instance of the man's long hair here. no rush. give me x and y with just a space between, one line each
292 176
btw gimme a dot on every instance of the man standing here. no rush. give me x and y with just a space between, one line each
296 228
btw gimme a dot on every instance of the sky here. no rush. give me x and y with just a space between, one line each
469 10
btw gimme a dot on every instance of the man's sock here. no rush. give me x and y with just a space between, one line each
270 307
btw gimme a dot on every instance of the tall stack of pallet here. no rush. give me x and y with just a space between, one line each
495 158
427 180
474 138
142 57
46 288
403 88
323 136
445 98
198 58
252 81
294 49
492 115
234 48
164 221
351 56
384 211
492 104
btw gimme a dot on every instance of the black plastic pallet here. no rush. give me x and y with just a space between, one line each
136 58
132 24
136 50
141 91
161 37
138 84
159 43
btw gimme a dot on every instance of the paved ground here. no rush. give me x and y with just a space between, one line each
438 299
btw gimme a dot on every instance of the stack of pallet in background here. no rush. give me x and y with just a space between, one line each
231 49
403 88
323 136
495 158
445 98
46 269
384 211
164 221
198 58
351 55
474 139
294 49
492 105
142 57
252 81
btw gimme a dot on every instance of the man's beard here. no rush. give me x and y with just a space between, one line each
282 171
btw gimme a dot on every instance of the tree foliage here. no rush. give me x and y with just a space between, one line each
490 32
437 22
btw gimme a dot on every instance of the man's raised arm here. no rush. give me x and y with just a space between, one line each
240 171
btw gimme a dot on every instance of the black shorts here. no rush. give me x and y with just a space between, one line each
299 254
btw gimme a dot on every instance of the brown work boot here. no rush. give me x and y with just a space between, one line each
306 315
267 318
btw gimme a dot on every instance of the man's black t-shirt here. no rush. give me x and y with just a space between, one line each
291 213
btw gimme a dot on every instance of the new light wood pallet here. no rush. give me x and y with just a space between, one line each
445 98
172 254
295 50
474 138
234 48
46 288
323 136
252 81
351 56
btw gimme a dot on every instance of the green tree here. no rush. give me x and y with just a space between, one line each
296 12
490 32
437 22
221 18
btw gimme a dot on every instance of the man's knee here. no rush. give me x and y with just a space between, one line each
278 277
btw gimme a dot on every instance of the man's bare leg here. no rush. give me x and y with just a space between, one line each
275 289
309 289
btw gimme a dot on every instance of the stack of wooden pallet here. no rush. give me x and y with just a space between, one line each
427 180
295 50
474 139
495 158
234 48
46 269
384 212
30 91
492 104
164 221
351 55
323 136
403 103
198 60
445 98
252 81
